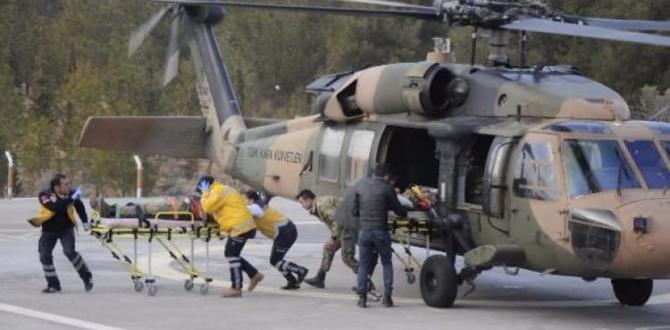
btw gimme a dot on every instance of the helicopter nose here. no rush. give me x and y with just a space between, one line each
645 239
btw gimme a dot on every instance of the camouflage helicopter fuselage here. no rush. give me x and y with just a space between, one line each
580 234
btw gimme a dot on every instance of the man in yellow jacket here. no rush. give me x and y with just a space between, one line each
283 232
229 209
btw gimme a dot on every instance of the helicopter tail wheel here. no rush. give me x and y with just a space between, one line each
438 281
633 292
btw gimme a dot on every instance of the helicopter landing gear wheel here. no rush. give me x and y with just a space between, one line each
632 292
438 281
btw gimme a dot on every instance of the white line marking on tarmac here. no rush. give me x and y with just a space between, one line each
55 318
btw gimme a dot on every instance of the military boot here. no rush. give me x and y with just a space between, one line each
318 280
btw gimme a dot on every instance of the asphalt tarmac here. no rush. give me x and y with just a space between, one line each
500 301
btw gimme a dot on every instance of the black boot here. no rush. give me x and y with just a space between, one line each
362 301
318 280
291 286
387 301
88 285
51 289
291 282
302 273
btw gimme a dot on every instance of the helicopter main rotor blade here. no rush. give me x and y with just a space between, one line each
630 25
172 55
585 31
387 4
427 13
137 37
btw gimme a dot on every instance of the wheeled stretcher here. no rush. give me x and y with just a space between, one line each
403 230
163 229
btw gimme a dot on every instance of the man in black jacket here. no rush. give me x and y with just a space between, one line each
374 197
57 207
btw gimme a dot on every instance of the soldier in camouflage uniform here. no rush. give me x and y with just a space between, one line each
324 209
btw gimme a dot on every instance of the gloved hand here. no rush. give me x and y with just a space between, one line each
86 226
204 187
77 194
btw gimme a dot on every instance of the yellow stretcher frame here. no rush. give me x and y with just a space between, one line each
401 230
106 235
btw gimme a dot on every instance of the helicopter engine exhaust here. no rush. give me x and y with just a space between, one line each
209 15
424 88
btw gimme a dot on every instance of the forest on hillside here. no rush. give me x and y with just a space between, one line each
62 61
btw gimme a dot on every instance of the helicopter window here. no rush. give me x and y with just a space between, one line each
579 127
534 174
331 146
596 166
358 154
650 163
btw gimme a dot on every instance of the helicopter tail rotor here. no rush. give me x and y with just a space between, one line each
175 10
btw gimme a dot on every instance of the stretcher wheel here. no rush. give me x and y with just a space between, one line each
152 289
204 288
411 278
188 285
138 285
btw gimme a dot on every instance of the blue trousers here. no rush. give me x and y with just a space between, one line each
46 246
370 241
237 264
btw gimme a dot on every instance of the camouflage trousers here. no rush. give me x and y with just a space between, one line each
346 241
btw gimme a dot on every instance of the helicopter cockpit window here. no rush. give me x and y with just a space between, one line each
595 166
535 174
579 127
358 154
329 157
650 163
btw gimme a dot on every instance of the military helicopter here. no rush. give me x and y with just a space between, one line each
536 168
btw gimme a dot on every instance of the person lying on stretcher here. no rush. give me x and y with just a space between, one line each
185 206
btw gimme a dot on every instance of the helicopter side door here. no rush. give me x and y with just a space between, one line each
538 206
495 189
